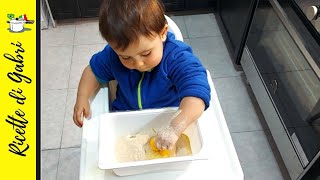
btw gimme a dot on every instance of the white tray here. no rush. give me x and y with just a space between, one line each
222 163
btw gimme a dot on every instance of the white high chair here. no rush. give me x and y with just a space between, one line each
223 162
173 28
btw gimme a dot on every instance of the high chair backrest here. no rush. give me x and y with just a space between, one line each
173 28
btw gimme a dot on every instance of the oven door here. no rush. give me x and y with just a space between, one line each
286 53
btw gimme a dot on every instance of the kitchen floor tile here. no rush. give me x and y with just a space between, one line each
87 32
262 170
56 61
52 116
53 105
63 34
69 164
51 133
214 55
76 73
81 57
241 113
180 22
83 53
252 147
72 134
49 164
202 25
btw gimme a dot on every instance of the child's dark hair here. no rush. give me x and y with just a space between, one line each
121 22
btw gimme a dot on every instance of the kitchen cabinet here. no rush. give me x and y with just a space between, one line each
199 4
89 8
174 5
67 9
64 9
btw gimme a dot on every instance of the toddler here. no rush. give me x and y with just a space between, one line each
153 70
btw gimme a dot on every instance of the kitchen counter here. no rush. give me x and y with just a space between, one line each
222 163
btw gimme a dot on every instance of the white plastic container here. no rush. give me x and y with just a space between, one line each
115 125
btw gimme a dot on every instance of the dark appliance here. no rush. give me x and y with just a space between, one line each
282 63
234 18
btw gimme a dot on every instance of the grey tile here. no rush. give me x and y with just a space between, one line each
75 74
49 164
83 53
179 20
214 55
55 67
252 147
52 112
63 34
53 105
239 110
87 32
81 57
51 133
202 25
69 164
71 133
262 170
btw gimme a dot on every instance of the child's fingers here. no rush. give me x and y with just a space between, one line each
86 112
77 118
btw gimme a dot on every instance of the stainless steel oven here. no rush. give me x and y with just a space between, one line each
282 63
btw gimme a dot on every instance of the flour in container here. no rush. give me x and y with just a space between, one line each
131 148
136 147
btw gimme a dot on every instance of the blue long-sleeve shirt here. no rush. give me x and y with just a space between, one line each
179 74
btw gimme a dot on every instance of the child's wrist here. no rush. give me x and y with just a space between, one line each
82 96
177 128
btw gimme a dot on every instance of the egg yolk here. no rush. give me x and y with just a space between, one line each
160 153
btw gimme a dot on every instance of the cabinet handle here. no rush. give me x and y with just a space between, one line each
274 86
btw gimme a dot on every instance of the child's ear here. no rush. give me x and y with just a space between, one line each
163 34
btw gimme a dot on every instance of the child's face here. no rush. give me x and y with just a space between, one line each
145 54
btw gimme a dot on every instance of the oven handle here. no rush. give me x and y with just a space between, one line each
274 85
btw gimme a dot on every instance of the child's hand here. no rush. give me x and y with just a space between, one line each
81 108
166 138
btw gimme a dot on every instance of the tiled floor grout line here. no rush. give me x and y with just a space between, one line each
66 100
65 112
50 149
58 45
261 130
204 37
45 90
58 164
185 25
72 147
68 93
225 77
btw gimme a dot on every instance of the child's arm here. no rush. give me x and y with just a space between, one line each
87 86
191 109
